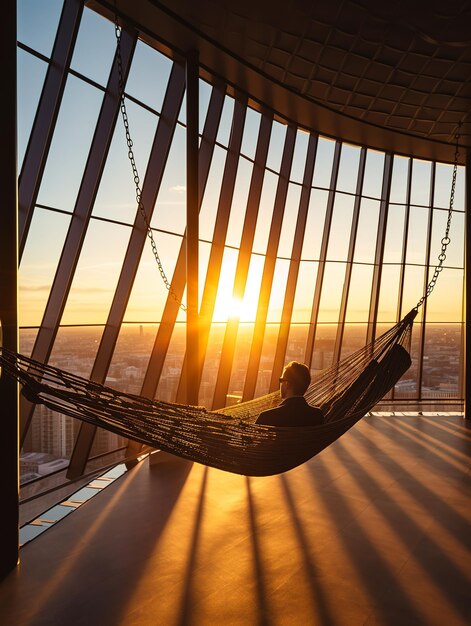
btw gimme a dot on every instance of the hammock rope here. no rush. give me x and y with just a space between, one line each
227 439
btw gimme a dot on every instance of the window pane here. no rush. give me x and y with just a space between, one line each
27 339
359 294
95 47
224 307
413 289
442 361
367 231
211 364
116 197
97 273
249 304
304 291
297 340
265 212
340 230
455 250
39 263
251 128
348 168
240 363
315 224
70 145
285 247
170 377
131 356
211 194
278 290
170 208
324 161
324 347
354 338
148 76
459 204
417 235
420 189
331 296
389 293
445 303
53 436
75 349
275 150
299 157
239 202
37 23
373 180
394 234
443 177
30 78
266 361
225 124
399 179
205 91
149 294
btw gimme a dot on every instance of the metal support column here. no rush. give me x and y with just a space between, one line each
192 221
467 295
169 315
9 441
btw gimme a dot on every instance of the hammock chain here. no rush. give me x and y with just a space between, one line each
135 172
446 239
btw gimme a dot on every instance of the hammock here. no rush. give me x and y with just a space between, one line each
228 438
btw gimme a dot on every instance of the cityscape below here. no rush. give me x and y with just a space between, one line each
50 444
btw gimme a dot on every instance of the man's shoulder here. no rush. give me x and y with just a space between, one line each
272 416
294 411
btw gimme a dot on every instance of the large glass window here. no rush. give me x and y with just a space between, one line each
37 23
31 73
70 145
39 263
396 239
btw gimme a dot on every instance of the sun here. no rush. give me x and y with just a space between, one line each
230 303
231 307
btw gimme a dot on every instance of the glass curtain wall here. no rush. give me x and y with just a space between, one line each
309 247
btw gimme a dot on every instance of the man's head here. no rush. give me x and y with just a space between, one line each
295 379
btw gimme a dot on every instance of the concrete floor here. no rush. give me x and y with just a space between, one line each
373 531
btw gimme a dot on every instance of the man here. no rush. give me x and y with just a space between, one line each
293 410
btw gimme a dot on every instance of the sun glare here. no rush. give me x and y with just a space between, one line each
235 308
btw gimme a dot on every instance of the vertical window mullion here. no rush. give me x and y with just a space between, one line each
169 315
322 256
351 252
269 265
213 274
420 364
150 187
379 252
46 116
243 261
80 218
404 244
293 272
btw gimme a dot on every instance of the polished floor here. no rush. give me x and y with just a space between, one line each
375 530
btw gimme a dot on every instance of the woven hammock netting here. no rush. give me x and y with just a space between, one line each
228 438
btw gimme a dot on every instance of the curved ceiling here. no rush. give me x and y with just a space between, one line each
395 76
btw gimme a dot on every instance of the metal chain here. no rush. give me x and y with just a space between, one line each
446 239
132 160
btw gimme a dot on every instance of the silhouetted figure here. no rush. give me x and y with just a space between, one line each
293 410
